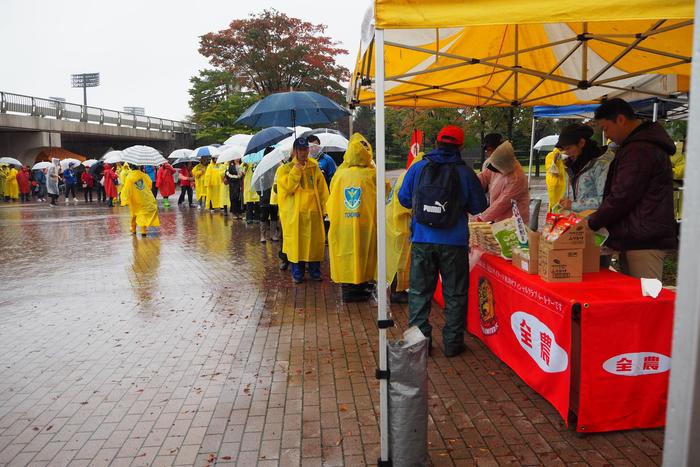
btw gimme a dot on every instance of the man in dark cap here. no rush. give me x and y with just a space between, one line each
301 195
637 207
491 142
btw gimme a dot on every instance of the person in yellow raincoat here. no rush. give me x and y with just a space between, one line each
284 262
352 211
11 184
213 183
398 241
555 177
3 180
251 198
198 172
137 194
122 172
224 197
301 195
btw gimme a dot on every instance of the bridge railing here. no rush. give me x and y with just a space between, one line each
50 108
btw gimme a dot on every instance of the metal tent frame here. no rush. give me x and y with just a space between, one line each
683 424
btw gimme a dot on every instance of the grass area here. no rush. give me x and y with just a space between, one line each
670 269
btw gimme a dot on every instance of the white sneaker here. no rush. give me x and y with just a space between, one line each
66 200
75 200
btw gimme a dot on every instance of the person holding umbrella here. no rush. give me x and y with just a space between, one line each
3 180
165 181
233 175
143 207
70 180
302 196
40 180
251 198
53 176
11 185
23 182
88 185
97 172
212 185
198 173
186 181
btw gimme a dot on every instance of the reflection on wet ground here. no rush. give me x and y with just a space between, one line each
190 347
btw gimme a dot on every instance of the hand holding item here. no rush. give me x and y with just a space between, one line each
299 165
565 204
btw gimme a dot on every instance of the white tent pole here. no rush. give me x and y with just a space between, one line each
681 447
532 149
381 243
655 116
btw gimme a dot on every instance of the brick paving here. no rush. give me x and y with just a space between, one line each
192 348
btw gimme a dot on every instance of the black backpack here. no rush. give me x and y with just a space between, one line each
436 197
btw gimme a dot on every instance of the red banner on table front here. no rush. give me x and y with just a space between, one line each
528 328
625 354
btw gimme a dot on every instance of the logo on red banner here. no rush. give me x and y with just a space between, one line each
539 342
487 307
637 364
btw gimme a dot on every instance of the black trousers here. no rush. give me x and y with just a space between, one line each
252 211
87 192
268 212
101 195
185 190
234 196
154 190
70 190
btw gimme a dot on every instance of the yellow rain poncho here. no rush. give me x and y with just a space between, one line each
398 235
352 211
11 185
122 173
3 179
555 178
213 184
249 194
224 198
136 193
198 172
302 196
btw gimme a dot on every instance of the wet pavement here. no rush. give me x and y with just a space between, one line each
192 348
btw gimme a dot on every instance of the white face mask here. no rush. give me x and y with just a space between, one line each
314 150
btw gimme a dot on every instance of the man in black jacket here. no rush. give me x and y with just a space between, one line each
637 207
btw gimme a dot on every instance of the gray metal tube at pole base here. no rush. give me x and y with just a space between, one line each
681 447
655 115
532 150
381 242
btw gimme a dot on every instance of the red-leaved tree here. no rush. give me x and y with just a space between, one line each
272 52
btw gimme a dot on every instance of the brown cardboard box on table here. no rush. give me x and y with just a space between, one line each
529 263
556 265
591 254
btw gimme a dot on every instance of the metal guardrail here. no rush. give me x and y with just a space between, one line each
49 108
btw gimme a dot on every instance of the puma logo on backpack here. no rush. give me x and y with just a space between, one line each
436 194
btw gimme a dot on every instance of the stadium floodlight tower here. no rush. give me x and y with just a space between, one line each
85 80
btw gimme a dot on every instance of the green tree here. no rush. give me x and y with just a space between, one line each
217 102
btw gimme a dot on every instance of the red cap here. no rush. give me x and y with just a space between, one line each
451 135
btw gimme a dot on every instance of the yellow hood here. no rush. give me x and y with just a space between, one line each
359 152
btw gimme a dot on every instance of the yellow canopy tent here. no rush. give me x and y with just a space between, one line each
545 52
452 53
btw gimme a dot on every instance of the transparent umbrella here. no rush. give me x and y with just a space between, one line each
264 174
68 161
178 153
41 165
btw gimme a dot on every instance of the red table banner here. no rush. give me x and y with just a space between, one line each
527 328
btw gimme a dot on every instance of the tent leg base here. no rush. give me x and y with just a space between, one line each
386 463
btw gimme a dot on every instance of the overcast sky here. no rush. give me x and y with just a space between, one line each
145 50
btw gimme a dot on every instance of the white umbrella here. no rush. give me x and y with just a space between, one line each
231 153
332 142
10 161
238 140
264 174
68 161
298 130
41 165
89 162
178 153
547 143
142 155
112 157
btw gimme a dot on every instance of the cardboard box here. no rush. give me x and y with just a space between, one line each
572 239
591 254
558 265
528 261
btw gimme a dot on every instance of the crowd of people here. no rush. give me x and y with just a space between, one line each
625 187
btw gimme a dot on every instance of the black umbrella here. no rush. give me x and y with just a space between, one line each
292 109
267 137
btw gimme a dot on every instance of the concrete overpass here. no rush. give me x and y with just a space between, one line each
29 124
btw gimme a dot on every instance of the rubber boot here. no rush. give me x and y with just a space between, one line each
264 228
166 203
275 231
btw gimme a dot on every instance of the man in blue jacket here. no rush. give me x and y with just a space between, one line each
442 250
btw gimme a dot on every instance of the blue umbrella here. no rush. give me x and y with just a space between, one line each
206 151
267 137
291 109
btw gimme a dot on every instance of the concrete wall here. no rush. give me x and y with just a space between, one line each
22 137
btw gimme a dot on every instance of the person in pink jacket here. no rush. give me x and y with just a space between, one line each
110 176
503 179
